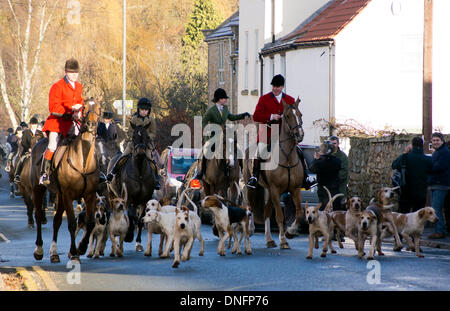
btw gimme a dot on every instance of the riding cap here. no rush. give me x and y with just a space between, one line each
10 130
107 115
277 81
72 65
219 94
23 124
144 103
34 120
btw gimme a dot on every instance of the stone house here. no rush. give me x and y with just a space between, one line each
223 44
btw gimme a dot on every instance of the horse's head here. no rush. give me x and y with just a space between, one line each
91 116
140 139
292 120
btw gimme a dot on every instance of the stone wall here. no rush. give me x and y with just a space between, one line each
370 161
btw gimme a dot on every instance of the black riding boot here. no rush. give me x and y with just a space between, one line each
306 183
45 172
116 168
18 171
253 182
157 177
202 171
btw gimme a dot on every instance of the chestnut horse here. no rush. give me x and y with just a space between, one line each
287 176
75 177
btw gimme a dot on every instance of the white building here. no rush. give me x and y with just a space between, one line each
345 59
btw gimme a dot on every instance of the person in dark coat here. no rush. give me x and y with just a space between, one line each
327 168
13 140
440 181
107 130
447 204
414 195
29 138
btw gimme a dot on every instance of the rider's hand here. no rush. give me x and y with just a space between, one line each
76 107
275 117
247 115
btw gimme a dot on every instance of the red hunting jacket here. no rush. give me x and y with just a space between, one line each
61 99
268 105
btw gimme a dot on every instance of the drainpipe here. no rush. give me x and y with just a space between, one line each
231 76
330 84
261 61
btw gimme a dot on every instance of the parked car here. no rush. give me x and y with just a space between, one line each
176 166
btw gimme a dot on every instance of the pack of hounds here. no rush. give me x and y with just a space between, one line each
179 226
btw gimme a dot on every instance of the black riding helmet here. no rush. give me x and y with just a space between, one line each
144 103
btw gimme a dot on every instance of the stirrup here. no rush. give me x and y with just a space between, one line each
253 182
44 180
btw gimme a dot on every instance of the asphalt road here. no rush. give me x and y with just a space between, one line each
267 269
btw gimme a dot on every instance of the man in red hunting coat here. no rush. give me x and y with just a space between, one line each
269 111
65 105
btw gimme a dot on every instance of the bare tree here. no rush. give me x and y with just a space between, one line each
27 58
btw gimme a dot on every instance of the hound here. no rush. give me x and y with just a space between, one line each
183 236
224 217
384 196
370 224
411 225
347 222
118 222
100 232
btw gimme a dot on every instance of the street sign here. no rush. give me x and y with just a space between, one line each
128 106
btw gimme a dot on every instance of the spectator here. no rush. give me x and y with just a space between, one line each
107 130
327 168
414 194
13 141
440 181
343 172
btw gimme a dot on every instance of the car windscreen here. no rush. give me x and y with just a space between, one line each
180 165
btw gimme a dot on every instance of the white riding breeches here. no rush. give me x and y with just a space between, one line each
53 139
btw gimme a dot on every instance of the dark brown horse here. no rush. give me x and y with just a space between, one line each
286 177
74 177
138 176
223 170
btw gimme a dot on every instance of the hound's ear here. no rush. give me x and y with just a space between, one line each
176 211
421 213
284 103
124 192
184 209
316 208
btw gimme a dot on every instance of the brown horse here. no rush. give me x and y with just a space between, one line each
223 170
287 176
75 177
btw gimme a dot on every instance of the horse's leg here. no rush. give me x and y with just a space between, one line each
275 197
267 234
139 247
38 194
89 201
297 198
30 208
131 216
67 203
57 220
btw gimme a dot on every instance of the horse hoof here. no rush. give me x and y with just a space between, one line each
285 246
82 248
333 251
289 235
44 221
139 248
75 258
54 259
38 256
271 244
323 255
129 237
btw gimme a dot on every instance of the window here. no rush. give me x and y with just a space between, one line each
246 61
221 65
255 82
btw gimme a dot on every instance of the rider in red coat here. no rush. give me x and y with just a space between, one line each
65 105
269 111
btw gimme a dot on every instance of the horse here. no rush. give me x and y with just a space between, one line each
74 176
223 171
105 151
286 177
25 188
137 174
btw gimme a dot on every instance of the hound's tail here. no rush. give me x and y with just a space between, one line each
329 206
